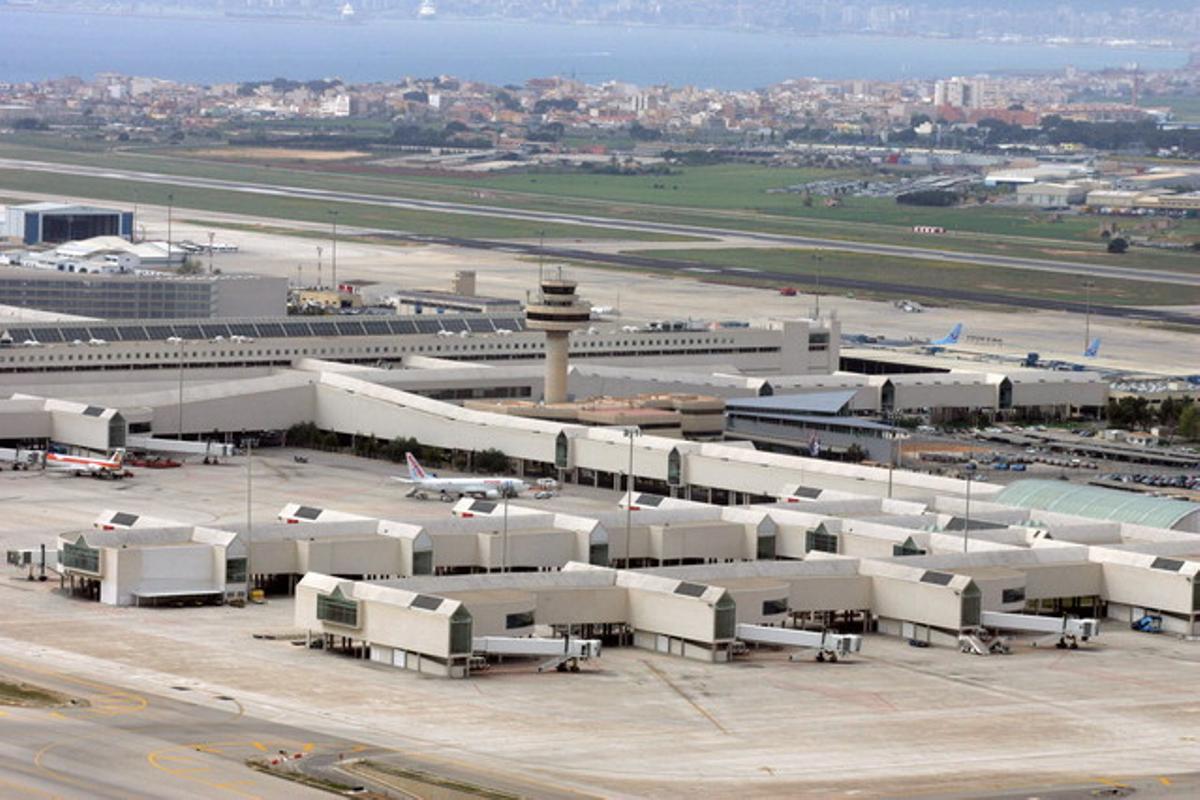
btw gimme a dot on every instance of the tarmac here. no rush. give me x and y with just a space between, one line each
179 696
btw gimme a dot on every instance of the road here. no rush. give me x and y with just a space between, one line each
783 240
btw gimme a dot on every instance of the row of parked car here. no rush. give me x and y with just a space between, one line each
1191 482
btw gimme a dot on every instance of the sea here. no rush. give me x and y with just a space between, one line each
38 45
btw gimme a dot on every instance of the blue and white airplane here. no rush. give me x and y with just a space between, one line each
950 338
1093 349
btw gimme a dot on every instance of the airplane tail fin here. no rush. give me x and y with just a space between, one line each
415 471
1093 349
118 456
952 337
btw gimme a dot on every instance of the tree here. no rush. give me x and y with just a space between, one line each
1129 412
1189 423
641 133
855 454
491 460
1118 245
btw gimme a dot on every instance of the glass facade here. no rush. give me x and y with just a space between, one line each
337 610
235 570
81 557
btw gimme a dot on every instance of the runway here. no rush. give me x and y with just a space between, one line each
743 274
783 240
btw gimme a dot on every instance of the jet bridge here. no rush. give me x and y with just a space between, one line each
1069 631
828 644
561 654
210 450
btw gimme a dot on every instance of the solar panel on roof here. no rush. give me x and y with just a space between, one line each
427 602
132 333
243 329
323 328
296 329
1168 564
73 334
48 335
268 330
307 512
402 326
454 325
107 334
159 332
350 328
938 578
650 500
428 326
480 325
93 411
21 334
513 324
213 331
690 589
189 332
377 327
124 518
483 506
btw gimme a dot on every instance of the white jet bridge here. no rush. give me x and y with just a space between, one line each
561 654
1069 631
182 447
828 644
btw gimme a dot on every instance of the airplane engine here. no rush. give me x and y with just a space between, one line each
492 494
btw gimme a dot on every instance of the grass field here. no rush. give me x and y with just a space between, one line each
726 196
918 274
349 214
1185 107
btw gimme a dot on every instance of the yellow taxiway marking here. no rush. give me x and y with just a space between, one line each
192 770
1165 781
28 791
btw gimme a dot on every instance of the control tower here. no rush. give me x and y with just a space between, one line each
557 311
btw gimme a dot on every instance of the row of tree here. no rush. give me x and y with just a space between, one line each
307 434
1181 416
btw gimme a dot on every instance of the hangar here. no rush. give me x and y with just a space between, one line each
53 223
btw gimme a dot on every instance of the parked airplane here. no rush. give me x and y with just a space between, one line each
952 337
1093 349
425 484
110 467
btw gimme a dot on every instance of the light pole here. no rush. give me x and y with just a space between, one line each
1087 318
170 214
211 237
504 545
970 468
333 214
320 282
631 433
181 343
541 255
817 292
249 518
